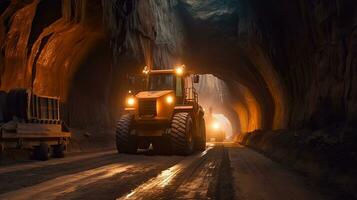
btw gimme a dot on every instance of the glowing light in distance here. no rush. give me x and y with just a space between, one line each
169 99
216 125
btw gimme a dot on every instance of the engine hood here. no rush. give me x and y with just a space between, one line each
152 94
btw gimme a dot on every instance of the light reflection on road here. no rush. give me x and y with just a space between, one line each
66 184
164 178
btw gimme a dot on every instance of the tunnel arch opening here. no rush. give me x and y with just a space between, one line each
232 99
215 98
225 124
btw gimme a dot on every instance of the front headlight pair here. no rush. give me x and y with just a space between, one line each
131 100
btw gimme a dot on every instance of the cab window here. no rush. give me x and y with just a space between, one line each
159 82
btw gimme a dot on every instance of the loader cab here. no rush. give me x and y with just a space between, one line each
175 79
168 81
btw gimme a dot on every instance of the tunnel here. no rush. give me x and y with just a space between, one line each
282 73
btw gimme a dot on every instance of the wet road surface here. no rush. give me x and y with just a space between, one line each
226 171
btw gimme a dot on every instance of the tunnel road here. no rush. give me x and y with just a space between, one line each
223 171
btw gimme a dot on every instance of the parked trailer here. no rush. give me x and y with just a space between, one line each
30 121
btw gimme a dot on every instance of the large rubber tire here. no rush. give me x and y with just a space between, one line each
58 151
201 139
181 134
124 141
41 152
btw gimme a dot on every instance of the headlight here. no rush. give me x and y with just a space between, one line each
130 101
169 99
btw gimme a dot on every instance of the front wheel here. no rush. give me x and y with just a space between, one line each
181 134
124 141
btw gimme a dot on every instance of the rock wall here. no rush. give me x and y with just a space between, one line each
45 44
295 58
292 69
287 65
310 44
148 30
81 51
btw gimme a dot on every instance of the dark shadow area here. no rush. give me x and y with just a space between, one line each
48 11
3 5
89 89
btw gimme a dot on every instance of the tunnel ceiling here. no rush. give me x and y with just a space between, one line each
287 64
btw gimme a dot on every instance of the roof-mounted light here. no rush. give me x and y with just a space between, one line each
146 70
180 70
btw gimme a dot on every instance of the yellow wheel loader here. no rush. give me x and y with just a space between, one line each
166 114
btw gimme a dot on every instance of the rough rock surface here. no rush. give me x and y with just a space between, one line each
300 51
46 43
291 66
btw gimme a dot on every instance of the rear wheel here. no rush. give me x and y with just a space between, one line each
201 139
181 134
124 141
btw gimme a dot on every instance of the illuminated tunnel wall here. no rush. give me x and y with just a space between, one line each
213 94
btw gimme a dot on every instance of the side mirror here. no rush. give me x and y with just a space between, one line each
196 78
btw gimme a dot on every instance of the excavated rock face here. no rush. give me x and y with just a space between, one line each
47 43
292 62
148 30
295 58
216 44
287 65
63 48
